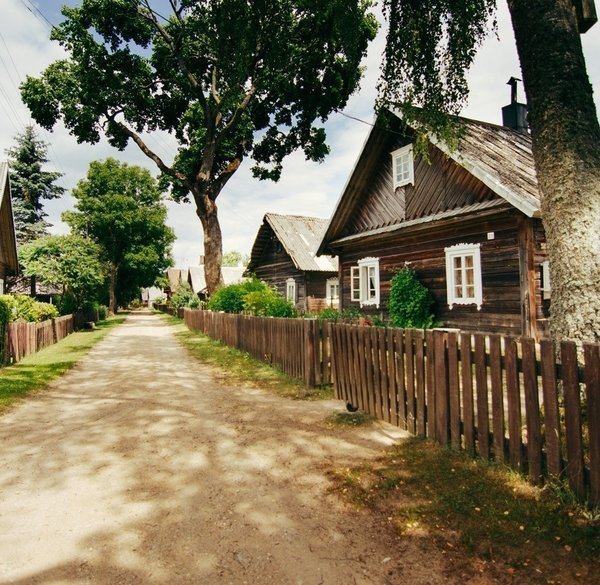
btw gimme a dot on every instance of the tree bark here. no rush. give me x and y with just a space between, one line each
112 290
566 148
213 245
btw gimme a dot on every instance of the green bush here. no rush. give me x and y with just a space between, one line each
102 312
43 312
14 307
410 302
230 298
268 303
7 307
184 296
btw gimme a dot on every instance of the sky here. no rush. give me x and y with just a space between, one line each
306 188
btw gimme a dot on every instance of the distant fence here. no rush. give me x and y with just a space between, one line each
299 347
23 338
496 397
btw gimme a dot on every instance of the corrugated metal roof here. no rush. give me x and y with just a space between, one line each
300 236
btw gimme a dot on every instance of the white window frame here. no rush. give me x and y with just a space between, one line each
403 157
332 290
463 251
355 284
1 286
546 287
369 282
291 290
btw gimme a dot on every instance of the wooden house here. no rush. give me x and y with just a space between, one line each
9 265
467 220
284 256
197 278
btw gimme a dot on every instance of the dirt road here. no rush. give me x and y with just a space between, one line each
138 467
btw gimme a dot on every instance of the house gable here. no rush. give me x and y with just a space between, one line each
9 265
492 167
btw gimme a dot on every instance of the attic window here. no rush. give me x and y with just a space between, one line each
402 167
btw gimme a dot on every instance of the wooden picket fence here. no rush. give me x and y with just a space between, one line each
299 347
496 397
23 338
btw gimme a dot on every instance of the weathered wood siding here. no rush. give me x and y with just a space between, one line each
423 250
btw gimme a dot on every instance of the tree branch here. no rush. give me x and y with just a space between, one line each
164 168
151 17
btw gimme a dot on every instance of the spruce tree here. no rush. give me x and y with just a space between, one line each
30 185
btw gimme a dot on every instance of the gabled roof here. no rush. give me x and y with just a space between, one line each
8 241
197 279
300 237
499 157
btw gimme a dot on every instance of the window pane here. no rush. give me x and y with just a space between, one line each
470 291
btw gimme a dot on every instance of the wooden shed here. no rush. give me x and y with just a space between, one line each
284 256
467 220
9 265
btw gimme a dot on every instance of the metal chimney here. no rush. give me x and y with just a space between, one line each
515 114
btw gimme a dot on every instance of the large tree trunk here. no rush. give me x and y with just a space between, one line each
566 149
112 290
213 246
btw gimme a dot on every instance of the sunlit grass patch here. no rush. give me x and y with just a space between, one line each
36 371
350 419
481 511
240 368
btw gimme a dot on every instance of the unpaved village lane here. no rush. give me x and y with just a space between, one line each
138 466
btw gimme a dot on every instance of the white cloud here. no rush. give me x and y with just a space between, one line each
305 188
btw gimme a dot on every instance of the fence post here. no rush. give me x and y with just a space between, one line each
442 398
309 357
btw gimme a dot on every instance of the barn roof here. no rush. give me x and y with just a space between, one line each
499 157
300 236
8 242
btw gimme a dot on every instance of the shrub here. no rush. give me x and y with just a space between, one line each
43 312
14 307
102 312
184 296
230 298
329 313
410 302
268 303
7 304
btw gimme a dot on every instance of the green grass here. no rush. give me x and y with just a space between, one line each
350 419
36 371
236 367
479 511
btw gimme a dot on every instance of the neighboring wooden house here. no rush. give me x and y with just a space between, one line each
9 265
197 278
176 277
284 256
468 222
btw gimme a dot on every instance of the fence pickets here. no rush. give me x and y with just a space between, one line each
496 397
24 338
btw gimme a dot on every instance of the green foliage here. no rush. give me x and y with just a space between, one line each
229 80
410 302
430 47
184 296
268 303
230 298
349 314
102 312
234 258
6 310
71 263
119 207
30 184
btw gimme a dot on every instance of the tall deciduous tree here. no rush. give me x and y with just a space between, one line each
31 185
430 46
71 263
229 79
119 206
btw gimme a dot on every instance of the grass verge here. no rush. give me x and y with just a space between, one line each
36 371
237 367
479 514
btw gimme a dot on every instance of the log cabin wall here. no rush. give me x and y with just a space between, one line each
423 249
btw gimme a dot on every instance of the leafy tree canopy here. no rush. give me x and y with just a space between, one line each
119 206
228 78
30 185
71 263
